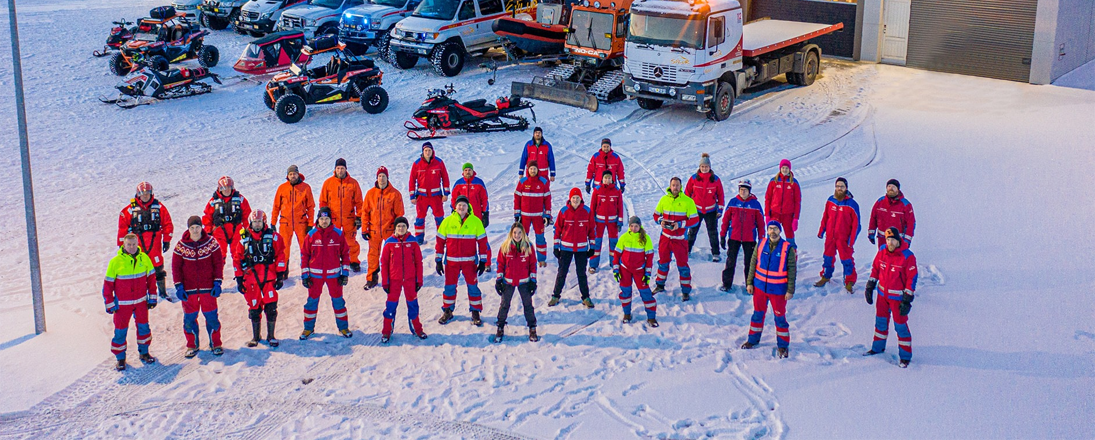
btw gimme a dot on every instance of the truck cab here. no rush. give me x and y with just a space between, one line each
318 18
219 14
446 32
260 17
371 24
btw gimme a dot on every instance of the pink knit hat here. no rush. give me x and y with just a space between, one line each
784 163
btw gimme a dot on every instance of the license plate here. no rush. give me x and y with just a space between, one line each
422 52
658 90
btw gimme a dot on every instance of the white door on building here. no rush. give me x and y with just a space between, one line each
895 31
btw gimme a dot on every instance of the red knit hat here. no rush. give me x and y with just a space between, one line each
381 170
575 192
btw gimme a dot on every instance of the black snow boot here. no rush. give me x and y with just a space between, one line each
747 345
652 322
904 363
475 320
147 358
121 365
685 297
781 353
626 320
270 338
445 317
356 267
371 284
499 334
871 352
255 336
532 336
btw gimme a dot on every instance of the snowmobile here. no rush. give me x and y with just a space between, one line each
345 78
119 35
272 53
147 85
164 38
440 114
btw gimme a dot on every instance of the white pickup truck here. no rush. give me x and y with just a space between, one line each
699 53
316 19
260 17
371 24
446 32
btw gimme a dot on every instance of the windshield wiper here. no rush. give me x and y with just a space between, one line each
680 50
589 34
644 46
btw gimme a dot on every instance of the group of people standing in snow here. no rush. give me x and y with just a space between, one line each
330 250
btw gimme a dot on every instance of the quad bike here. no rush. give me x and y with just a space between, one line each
147 85
440 115
119 35
165 38
345 78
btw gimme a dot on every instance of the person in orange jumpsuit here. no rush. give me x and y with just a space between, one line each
383 204
296 206
342 194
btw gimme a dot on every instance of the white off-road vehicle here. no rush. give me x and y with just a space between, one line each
189 7
260 17
371 24
446 32
318 18
219 14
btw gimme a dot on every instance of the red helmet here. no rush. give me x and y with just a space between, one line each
257 214
225 182
143 187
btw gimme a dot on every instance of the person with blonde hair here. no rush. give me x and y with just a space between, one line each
632 261
516 272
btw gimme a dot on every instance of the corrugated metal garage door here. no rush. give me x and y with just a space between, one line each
990 38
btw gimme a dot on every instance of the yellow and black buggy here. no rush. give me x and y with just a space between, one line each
345 78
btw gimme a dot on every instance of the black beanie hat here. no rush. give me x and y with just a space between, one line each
399 220
538 129
841 179
340 162
462 198
193 220
894 182
323 212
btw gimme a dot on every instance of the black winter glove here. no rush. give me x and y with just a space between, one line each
532 286
439 267
357 222
278 284
240 286
306 282
486 218
417 287
517 218
722 242
499 285
589 253
906 304
365 236
870 237
589 188
548 221
387 290
283 275
166 246
482 267
556 252
343 280
868 293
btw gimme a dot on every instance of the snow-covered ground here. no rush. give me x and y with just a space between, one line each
1003 335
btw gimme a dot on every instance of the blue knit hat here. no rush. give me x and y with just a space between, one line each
776 224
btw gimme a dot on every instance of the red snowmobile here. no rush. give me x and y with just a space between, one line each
273 53
119 35
441 115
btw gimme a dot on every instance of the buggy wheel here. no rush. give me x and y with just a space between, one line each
209 56
403 60
723 104
266 99
649 104
158 62
290 108
374 99
448 59
119 66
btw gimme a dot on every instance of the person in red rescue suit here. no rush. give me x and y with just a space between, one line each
705 188
197 267
428 189
149 220
472 187
461 250
604 160
383 204
325 261
607 204
128 292
539 150
294 204
260 264
225 214
401 274
744 223
771 279
892 210
573 242
632 263
532 207
894 273
516 274
841 222
342 194
783 200
676 213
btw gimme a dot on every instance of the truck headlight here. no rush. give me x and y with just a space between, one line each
629 89
691 98
375 25
264 16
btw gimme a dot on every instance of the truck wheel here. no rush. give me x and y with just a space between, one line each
257 34
723 104
118 65
216 23
448 59
158 62
649 104
374 99
290 108
234 18
383 44
203 20
403 60
327 30
209 56
812 67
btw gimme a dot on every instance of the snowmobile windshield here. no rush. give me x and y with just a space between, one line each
251 52
392 3
332 4
591 29
666 31
437 9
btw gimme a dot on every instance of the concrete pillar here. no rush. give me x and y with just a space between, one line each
870 45
1045 35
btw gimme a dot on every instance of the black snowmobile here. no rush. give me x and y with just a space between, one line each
119 35
441 115
147 85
